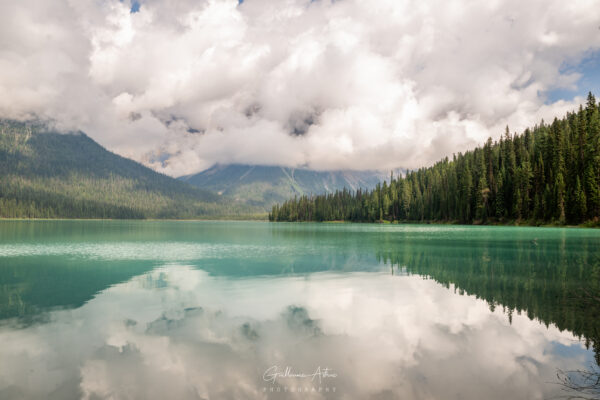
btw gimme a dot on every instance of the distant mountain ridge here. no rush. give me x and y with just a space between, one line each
263 186
45 174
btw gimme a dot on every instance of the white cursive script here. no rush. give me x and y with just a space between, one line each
274 372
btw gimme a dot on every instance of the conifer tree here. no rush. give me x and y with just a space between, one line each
550 173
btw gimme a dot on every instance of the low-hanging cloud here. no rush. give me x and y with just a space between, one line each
330 85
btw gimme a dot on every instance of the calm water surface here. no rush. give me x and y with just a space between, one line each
250 310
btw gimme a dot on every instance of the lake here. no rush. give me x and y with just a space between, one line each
254 310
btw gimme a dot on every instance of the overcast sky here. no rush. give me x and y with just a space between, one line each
348 84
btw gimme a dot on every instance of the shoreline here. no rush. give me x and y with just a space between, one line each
588 225
214 219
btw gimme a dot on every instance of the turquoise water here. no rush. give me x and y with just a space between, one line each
235 310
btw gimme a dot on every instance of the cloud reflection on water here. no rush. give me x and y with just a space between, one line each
178 332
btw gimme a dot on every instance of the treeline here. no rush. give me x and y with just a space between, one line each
44 174
111 197
548 174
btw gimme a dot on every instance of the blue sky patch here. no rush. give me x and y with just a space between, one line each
135 6
589 68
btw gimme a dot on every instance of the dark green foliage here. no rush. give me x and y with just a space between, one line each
548 174
50 175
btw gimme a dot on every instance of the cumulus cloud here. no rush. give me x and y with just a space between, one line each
331 85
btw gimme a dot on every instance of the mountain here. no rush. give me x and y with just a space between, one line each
264 186
45 174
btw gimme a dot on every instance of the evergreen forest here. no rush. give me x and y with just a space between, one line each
548 174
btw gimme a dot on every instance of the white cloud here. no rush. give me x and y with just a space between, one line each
344 84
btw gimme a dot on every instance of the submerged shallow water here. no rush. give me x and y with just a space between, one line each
235 310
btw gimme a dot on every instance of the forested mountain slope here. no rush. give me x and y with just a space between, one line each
547 174
266 185
46 174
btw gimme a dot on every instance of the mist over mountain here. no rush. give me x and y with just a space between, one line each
263 186
44 174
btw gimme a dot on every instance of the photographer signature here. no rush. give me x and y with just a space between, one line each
273 373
